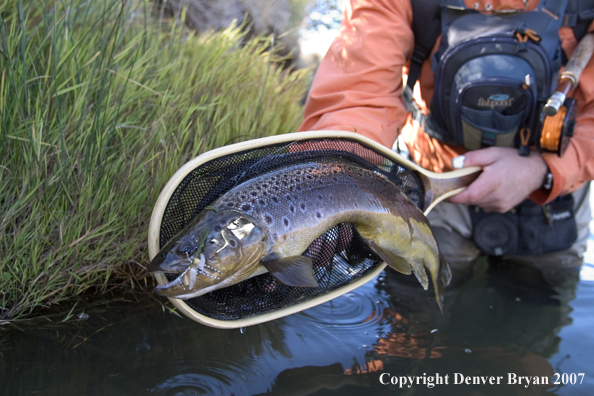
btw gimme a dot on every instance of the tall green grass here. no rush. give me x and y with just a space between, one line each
100 103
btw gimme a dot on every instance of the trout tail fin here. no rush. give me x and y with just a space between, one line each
442 279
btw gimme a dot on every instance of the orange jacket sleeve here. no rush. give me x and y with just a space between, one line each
576 166
358 85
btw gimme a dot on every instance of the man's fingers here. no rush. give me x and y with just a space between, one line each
484 193
482 157
476 192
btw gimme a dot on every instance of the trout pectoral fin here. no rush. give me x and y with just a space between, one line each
395 262
293 271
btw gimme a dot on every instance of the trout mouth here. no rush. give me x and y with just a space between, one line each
187 278
162 264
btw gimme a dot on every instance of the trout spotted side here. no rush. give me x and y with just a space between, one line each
266 223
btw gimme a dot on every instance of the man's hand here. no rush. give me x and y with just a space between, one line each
507 178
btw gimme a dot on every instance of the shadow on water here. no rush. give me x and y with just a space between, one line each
503 321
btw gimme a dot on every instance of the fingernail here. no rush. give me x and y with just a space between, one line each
458 162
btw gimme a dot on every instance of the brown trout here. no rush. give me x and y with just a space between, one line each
266 223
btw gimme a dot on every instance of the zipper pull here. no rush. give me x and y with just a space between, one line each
523 35
546 210
525 140
527 82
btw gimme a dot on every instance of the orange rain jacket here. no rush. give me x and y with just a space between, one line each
359 83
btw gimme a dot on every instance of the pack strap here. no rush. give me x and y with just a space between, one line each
555 8
426 29
577 12
573 18
578 16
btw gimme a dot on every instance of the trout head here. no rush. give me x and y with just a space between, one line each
219 248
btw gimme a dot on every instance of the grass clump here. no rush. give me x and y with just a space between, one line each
100 103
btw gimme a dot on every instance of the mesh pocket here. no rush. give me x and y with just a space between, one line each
489 128
492 120
339 256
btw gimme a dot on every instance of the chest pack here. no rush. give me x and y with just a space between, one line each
493 71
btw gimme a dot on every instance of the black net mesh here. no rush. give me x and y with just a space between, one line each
339 256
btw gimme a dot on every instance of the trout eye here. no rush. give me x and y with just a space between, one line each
186 249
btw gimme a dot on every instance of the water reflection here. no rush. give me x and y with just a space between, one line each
505 319
501 322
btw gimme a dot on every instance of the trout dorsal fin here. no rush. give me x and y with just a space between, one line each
292 271
394 261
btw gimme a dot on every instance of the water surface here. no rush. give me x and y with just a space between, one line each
500 321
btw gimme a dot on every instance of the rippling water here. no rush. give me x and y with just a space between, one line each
494 324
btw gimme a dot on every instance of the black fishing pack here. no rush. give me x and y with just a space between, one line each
493 75
493 71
